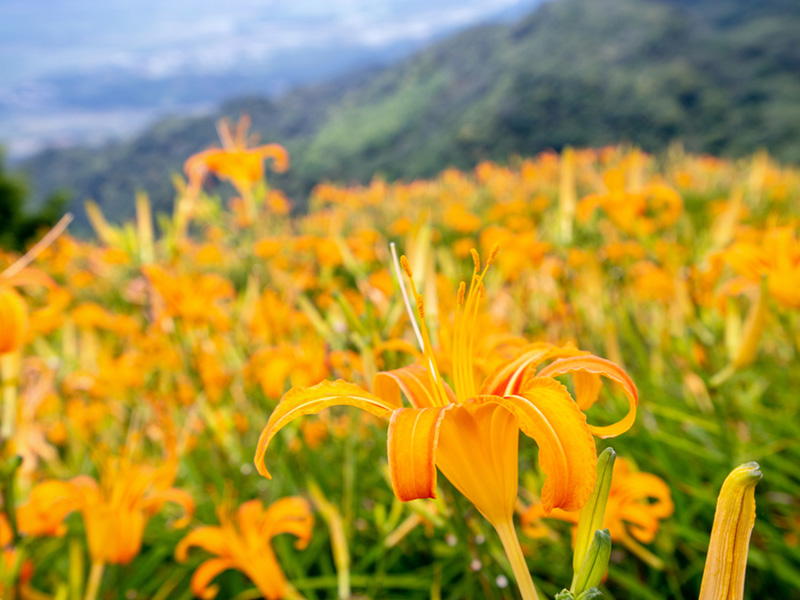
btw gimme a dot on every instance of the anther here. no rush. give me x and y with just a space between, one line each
462 288
493 255
406 266
476 259
420 306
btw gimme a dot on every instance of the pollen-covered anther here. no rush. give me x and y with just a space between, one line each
406 266
493 255
476 259
420 306
462 289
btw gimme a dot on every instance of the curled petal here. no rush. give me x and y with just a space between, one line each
278 154
209 538
412 441
195 165
28 276
413 381
311 400
587 388
567 455
182 498
599 366
205 573
507 379
48 505
289 515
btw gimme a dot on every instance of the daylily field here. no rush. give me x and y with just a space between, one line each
249 399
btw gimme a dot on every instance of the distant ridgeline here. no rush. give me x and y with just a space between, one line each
721 76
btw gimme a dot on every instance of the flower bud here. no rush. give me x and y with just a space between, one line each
592 513
723 576
753 329
595 564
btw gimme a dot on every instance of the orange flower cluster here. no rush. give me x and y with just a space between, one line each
181 341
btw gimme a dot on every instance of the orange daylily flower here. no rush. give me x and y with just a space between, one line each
13 320
634 211
636 504
471 432
197 299
235 162
13 310
244 544
115 509
776 257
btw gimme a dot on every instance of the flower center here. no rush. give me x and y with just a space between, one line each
468 301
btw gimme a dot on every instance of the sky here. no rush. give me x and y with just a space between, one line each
41 38
86 71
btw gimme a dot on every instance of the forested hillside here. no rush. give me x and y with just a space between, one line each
719 76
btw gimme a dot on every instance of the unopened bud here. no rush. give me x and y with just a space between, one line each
595 563
723 576
591 518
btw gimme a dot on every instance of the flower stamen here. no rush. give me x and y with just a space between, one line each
437 382
464 327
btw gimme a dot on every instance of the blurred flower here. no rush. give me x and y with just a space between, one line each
235 162
633 210
115 509
13 320
244 544
776 257
13 309
197 299
636 504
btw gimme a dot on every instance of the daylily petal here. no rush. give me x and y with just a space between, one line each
182 498
413 437
533 526
48 505
28 276
587 388
265 572
311 400
567 455
413 381
506 379
600 366
277 153
210 538
205 573
478 454
14 320
289 515
513 376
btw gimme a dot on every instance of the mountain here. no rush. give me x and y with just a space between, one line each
721 76
84 71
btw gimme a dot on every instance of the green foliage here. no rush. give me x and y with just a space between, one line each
17 225
720 77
